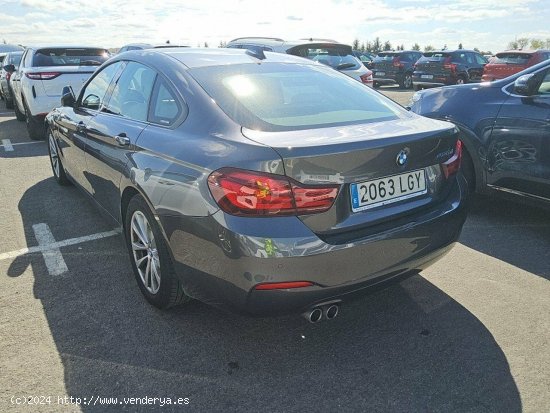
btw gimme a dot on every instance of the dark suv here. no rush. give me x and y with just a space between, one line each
448 67
395 67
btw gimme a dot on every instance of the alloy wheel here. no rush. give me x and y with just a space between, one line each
407 82
145 253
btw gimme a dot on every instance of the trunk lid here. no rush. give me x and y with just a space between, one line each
383 64
359 153
74 76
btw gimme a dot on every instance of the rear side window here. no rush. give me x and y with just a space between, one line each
94 94
165 108
15 59
277 97
434 57
69 57
512 58
132 92
385 57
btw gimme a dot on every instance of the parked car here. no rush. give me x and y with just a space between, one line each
366 58
11 59
505 127
392 67
510 62
256 181
329 52
38 81
7 48
448 67
143 46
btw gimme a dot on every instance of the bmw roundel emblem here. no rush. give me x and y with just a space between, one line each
402 157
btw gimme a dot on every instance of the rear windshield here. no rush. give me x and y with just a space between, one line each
434 56
385 57
278 97
512 58
69 57
337 57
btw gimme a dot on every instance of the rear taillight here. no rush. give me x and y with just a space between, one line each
397 63
452 166
248 193
448 65
42 75
366 78
8 75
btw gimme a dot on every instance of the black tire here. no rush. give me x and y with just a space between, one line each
18 115
35 127
416 88
375 85
55 161
170 290
467 167
406 82
461 80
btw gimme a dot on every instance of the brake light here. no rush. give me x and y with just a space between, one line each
283 285
366 78
452 166
8 75
448 65
248 193
42 75
397 63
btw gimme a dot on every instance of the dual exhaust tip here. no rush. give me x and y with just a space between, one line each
319 313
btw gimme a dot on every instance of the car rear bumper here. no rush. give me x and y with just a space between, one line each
222 258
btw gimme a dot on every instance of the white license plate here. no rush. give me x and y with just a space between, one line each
383 191
380 73
426 76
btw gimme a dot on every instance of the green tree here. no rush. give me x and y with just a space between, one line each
460 46
513 45
537 44
222 44
205 44
376 45
355 45
429 48
523 42
416 46
387 45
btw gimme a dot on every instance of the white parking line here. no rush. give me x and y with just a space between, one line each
52 257
56 245
6 143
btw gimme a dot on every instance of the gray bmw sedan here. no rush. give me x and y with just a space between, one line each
258 182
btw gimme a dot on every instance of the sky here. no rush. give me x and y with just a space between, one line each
112 24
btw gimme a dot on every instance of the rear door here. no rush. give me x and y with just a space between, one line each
519 149
113 133
476 63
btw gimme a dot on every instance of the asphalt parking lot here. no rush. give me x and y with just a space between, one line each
470 334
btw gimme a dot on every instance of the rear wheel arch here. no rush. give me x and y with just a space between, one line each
471 144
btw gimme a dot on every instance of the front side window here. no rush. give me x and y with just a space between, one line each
94 93
276 97
132 92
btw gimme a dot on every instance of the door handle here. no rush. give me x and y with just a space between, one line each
80 127
122 139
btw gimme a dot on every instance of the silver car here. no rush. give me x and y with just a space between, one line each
329 52
258 182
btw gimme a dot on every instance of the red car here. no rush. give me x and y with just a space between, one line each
510 62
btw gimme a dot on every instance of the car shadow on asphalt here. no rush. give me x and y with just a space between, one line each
388 351
502 228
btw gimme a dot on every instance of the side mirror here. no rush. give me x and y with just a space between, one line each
525 85
9 68
67 97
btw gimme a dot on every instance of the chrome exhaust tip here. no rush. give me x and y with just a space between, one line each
331 311
314 316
